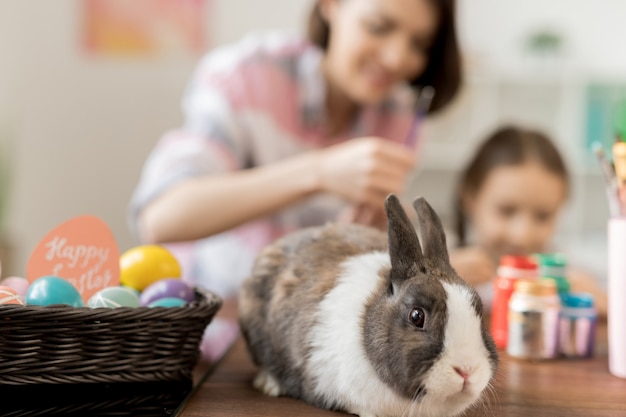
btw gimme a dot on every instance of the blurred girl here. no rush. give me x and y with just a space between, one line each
509 199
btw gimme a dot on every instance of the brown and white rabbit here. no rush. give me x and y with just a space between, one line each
346 317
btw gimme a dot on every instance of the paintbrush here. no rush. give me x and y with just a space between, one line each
610 180
424 100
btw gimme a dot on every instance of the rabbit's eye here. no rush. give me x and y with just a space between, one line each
417 317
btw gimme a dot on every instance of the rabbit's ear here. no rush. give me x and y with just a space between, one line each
404 245
433 236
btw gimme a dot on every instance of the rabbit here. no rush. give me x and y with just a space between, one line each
349 318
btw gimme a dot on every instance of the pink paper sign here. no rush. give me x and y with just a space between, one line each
83 251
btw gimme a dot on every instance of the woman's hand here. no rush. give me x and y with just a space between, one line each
365 170
364 214
473 264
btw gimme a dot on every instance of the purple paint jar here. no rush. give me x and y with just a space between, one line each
577 325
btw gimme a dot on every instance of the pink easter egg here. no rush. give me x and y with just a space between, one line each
9 296
19 284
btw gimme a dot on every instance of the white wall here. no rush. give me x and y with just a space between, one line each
595 30
80 128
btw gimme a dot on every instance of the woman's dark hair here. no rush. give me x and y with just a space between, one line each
443 71
507 146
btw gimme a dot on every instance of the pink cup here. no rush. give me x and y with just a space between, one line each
617 296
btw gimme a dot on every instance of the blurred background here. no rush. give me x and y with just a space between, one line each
88 86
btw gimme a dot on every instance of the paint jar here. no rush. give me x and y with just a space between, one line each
511 269
577 325
554 266
616 286
534 320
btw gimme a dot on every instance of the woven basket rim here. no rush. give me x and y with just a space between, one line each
203 298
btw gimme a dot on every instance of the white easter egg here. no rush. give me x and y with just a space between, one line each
113 297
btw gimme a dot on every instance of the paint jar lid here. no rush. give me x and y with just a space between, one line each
551 265
538 287
551 259
519 262
516 267
577 300
562 284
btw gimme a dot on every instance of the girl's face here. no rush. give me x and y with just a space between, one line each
516 209
375 44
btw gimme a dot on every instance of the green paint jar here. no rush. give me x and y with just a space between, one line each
553 266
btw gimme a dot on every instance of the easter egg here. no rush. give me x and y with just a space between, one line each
168 287
133 290
113 297
142 265
168 302
51 289
9 296
19 284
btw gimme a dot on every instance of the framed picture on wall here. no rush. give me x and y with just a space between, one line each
144 28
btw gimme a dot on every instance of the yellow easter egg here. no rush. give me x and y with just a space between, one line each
142 265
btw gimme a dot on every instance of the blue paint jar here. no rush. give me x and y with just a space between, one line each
577 325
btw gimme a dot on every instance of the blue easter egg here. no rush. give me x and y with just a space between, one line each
168 302
113 297
51 289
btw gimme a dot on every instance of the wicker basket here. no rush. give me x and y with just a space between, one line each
60 344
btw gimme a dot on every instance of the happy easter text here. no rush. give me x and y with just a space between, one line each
71 256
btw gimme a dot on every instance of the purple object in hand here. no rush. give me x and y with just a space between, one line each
168 287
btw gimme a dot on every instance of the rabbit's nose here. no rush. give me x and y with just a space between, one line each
464 374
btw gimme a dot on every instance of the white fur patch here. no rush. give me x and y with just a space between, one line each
463 349
266 383
338 361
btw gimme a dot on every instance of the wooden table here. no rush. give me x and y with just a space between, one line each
563 387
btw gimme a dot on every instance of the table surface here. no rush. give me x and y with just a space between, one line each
559 387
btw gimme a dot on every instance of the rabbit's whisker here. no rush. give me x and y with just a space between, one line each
415 400
491 398
488 398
